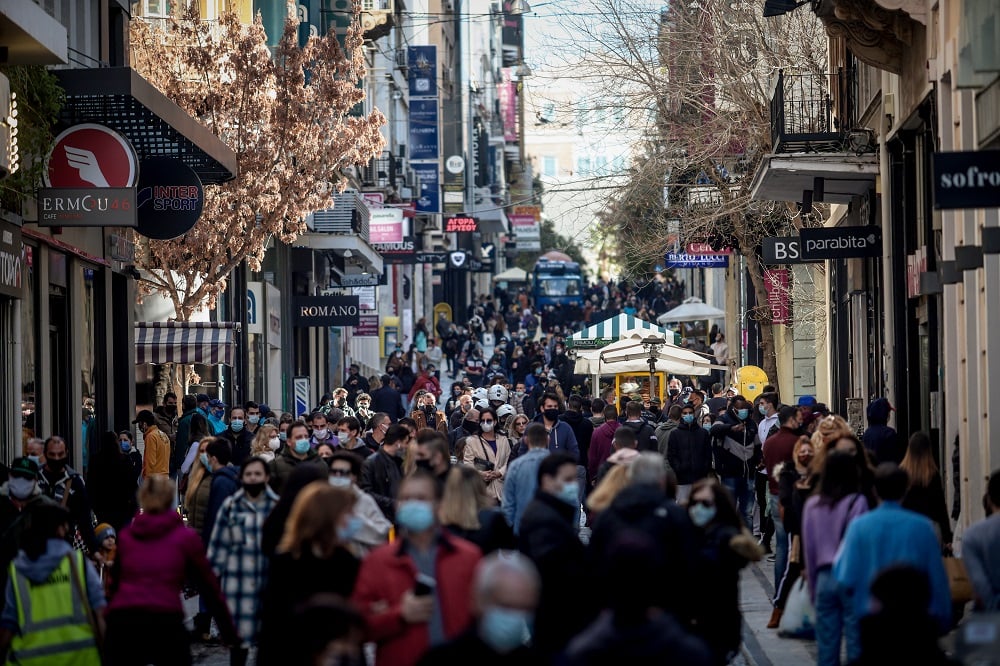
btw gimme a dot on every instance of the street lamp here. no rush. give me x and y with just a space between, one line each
522 71
652 345
519 7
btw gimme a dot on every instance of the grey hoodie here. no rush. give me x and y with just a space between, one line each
38 570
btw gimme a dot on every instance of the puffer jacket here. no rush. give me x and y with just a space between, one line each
198 507
689 453
736 453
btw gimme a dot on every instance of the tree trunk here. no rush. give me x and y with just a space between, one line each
762 314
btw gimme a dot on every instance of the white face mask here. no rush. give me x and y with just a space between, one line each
274 443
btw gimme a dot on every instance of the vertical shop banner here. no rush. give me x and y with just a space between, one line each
423 129
507 92
524 222
779 295
430 187
421 64
454 184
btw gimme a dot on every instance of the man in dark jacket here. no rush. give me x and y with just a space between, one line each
239 437
645 436
57 479
225 482
297 451
383 470
689 452
550 538
166 417
189 405
881 440
355 383
387 399
583 429
737 452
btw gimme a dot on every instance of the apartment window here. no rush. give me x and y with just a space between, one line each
549 166
155 7
583 165
601 165
548 113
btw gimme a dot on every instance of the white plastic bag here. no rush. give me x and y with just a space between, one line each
799 618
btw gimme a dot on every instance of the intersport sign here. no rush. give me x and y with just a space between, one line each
967 179
840 243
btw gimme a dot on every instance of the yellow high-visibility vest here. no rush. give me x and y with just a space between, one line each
55 628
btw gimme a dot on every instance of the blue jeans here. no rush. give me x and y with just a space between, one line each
743 495
780 540
834 618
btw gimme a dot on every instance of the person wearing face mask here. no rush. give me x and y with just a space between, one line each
321 432
468 426
383 470
724 546
234 549
19 496
297 451
167 418
426 414
254 417
225 481
156 458
737 452
349 437
549 536
239 438
371 527
425 382
363 411
463 405
408 608
60 482
689 453
266 442
674 396
432 454
506 588
216 415
488 452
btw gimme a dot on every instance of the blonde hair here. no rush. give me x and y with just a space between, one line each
312 523
262 440
464 495
157 494
608 488
196 474
828 431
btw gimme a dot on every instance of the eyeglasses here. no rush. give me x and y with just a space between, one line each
339 472
708 504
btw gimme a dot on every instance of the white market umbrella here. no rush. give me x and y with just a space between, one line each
692 309
630 356
513 274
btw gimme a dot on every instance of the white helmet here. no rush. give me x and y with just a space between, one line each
503 411
479 394
482 404
498 392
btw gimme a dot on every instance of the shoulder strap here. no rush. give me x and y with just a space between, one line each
847 516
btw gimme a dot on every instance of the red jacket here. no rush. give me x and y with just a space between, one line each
600 447
778 449
427 383
388 572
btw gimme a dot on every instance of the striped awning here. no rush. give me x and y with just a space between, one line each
208 343
614 329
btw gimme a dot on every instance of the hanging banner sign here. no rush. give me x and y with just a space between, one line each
431 257
11 260
430 190
461 224
91 155
367 327
385 225
423 129
421 64
87 207
705 249
326 310
782 250
695 261
403 252
170 198
776 282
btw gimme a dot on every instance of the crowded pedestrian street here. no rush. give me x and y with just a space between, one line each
395 333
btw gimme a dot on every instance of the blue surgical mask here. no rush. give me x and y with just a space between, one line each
701 515
706 426
570 493
126 446
343 437
254 419
283 436
351 529
302 446
742 414
236 425
415 515
36 459
688 418
204 460
763 409
505 629
218 413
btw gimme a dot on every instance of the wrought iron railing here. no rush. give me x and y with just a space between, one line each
812 113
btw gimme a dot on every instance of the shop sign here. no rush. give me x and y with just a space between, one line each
273 297
87 207
968 179
461 224
359 280
326 310
11 260
430 191
367 327
255 307
916 265
454 184
403 252
776 283
170 198
421 63
783 250
423 129
680 260
366 297
840 242
121 248
385 225
706 249
91 155
431 257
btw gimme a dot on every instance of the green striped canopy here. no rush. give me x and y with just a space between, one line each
617 328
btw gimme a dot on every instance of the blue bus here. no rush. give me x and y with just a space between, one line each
557 281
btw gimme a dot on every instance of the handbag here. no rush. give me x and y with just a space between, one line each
958 580
795 550
799 616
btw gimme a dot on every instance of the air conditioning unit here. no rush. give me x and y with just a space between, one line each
401 60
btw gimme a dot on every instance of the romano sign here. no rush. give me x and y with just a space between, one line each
326 310
967 179
840 242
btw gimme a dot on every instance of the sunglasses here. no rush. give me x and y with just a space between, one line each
487 421
339 472
708 504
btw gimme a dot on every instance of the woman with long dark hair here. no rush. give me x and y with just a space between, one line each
825 518
926 492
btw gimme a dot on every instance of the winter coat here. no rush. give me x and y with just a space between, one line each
561 439
645 436
600 447
882 441
736 453
113 488
493 533
689 453
156 556
440 420
469 648
380 477
777 451
658 639
198 508
387 399
929 501
478 447
583 430
389 572
428 383
241 442
792 498
182 439
225 482
166 423
285 463
235 554
662 433
56 487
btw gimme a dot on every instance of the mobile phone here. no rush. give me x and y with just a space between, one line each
425 585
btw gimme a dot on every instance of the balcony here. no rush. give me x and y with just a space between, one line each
818 151
342 231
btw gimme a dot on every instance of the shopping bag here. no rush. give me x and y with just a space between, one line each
958 580
799 617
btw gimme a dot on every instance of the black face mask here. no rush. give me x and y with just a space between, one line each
171 410
57 463
428 409
551 414
674 391
425 464
470 427
254 489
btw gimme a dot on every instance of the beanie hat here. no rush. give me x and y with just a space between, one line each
103 531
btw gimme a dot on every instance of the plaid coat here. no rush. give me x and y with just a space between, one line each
237 558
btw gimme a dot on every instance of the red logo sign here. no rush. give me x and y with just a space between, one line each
778 296
459 224
706 249
90 155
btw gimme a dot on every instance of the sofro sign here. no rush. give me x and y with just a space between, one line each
326 311
840 242
967 179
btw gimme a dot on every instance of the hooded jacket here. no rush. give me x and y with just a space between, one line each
881 440
583 430
689 453
225 482
736 453
645 436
